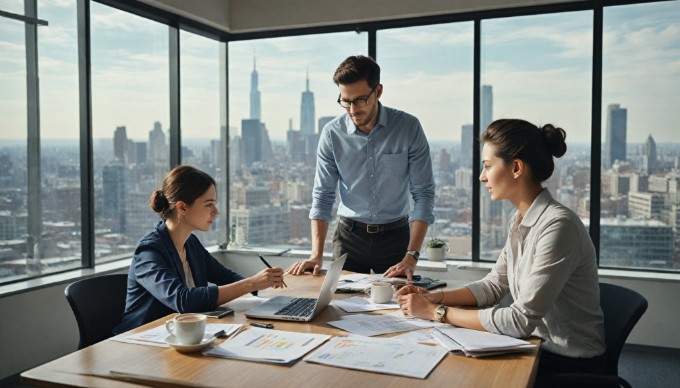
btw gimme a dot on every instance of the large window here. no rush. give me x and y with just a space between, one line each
281 94
200 118
130 119
427 71
538 68
14 241
640 200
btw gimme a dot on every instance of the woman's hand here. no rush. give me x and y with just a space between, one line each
268 277
411 289
416 305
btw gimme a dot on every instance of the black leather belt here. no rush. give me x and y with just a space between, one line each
374 228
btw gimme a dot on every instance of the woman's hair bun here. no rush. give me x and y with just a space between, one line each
158 203
555 139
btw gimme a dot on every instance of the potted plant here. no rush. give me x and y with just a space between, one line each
436 249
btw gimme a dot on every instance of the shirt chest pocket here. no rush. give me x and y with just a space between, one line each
392 170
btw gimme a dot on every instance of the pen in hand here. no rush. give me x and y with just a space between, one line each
269 266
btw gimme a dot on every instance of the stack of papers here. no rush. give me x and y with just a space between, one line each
358 304
379 355
475 343
370 325
157 335
266 345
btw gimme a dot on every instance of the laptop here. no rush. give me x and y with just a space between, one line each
290 308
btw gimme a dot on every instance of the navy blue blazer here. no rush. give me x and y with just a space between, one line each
156 284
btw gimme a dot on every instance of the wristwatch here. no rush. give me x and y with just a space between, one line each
440 313
415 254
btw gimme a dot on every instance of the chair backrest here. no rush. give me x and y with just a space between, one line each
622 308
98 304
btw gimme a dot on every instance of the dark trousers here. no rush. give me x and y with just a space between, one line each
370 251
551 365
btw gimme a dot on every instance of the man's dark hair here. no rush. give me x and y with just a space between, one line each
356 68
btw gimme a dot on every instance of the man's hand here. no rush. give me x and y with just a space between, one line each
299 267
407 267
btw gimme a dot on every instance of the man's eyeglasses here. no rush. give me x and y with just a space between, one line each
361 102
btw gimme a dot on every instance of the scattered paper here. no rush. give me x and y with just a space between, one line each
370 325
157 335
358 304
381 355
266 345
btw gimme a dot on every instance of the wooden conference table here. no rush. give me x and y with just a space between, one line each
512 370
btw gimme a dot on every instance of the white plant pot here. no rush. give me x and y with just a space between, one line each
436 254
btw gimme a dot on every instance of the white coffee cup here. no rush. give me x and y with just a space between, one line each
188 329
381 292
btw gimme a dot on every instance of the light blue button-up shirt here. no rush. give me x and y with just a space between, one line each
374 172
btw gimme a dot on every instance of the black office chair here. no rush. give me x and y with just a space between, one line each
98 304
622 308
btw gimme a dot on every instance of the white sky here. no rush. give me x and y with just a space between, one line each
539 67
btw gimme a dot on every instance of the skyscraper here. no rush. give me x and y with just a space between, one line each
120 145
254 94
649 155
307 111
486 114
323 120
157 149
466 143
113 194
615 146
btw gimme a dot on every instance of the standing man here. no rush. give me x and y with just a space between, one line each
375 156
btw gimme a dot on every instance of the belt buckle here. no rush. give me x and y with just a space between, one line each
372 228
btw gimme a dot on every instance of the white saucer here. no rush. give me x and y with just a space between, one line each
207 340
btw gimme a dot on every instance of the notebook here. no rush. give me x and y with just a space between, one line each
290 308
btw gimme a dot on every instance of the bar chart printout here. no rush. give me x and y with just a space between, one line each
266 345
379 355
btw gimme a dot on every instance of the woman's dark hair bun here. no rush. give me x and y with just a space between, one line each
158 203
555 139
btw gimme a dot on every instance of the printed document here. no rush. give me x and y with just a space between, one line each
358 304
370 325
381 355
157 335
267 345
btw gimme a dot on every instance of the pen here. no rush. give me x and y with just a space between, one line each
262 325
269 266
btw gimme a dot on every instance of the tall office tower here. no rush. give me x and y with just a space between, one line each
615 146
466 144
251 133
307 111
254 94
486 114
323 120
295 146
113 195
157 149
140 152
120 144
649 155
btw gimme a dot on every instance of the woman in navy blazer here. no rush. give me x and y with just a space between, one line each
171 269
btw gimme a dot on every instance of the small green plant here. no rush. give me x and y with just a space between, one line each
435 242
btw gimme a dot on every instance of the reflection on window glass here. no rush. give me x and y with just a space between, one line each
14 242
130 94
538 68
427 71
281 93
200 115
13 6
640 202
60 244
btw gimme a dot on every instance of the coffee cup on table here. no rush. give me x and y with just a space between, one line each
188 329
381 292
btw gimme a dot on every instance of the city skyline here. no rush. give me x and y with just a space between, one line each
562 69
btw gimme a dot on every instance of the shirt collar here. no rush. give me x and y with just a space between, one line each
382 120
537 208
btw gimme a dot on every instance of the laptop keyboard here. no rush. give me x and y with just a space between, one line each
298 307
